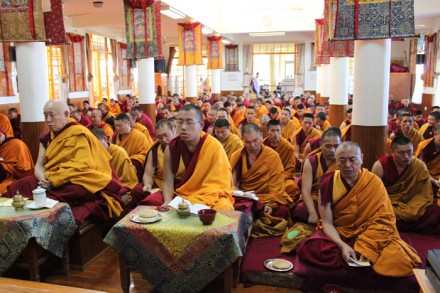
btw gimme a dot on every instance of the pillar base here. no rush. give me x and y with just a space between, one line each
337 114
372 140
192 100
31 136
150 110
215 96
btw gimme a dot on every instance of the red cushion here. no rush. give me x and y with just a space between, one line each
422 243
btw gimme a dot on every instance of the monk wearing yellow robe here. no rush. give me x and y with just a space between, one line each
288 125
286 152
133 141
237 114
408 184
73 167
258 168
223 114
429 152
358 218
406 129
229 141
427 129
107 116
5 124
302 136
250 118
153 171
321 121
15 160
114 107
96 118
196 167
140 127
321 161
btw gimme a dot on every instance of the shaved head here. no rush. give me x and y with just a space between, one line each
56 114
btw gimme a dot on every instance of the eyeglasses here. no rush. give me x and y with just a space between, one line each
181 122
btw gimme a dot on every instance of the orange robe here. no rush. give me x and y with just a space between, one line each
365 216
432 160
145 131
16 161
288 130
108 130
122 165
6 126
116 109
325 125
237 116
265 177
232 144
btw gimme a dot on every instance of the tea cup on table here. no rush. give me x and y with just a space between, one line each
207 216
39 195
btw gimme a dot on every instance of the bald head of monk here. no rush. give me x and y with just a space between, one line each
102 137
402 151
330 141
165 132
189 124
251 136
250 114
349 160
56 114
96 118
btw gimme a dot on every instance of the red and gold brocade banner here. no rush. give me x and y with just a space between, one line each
190 43
6 88
124 68
231 58
319 56
54 24
215 52
333 48
76 59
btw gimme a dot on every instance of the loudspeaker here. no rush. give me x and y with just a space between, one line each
420 59
159 65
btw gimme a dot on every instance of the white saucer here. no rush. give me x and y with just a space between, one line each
135 218
33 206
269 265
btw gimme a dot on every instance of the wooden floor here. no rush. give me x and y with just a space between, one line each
103 275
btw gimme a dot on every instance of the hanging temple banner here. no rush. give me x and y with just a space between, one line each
231 58
190 43
215 52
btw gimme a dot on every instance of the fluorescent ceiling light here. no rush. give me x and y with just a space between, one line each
224 41
172 13
206 30
268 34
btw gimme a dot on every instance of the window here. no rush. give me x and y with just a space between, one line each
54 71
102 85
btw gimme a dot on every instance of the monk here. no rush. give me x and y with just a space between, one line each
348 117
427 129
96 118
143 119
357 220
153 171
166 112
258 168
429 152
210 120
114 107
223 114
133 141
250 118
73 167
15 160
5 124
140 127
321 121
237 114
288 125
320 162
408 184
286 152
229 141
107 116
302 135
120 160
264 119
406 129
195 166
15 120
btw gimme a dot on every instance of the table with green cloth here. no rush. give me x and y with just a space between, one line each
180 255
51 228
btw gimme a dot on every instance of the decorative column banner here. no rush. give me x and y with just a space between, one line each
22 21
6 88
374 19
430 54
124 69
143 30
54 24
76 63
334 48
231 58
190 43
320 58
215 52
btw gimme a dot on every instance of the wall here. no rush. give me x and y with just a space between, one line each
310 73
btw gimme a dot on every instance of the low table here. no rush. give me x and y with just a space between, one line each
31 232
179 255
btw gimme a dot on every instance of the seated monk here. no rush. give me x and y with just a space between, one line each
153 171
120 160
358 219
107 116
258 168
73 167
229 141
5 124
211 116
301 137
195 166
250 118
286 152
406 129
143 119
427 129
96 118
320 162
237 114
223 114
15 120
429 152
408 184
264 119
133 141
348 117
81 118
288 124
321 121
15 160
140 127
114 107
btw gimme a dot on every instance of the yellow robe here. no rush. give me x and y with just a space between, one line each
158 170
318 174
116 109
313 134
144 130
288 130
122 165
434 165
6 126
232 144
265 177
136 145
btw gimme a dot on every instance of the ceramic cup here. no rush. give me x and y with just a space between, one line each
39 196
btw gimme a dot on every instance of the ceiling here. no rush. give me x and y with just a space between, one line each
232 19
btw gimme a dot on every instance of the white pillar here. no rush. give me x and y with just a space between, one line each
325 80
339 80
318 78
215 84
190 81
146 85
33 83
371 82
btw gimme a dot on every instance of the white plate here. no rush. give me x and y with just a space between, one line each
268 264
33 206
135 218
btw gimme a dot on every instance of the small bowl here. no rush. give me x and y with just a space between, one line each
207 216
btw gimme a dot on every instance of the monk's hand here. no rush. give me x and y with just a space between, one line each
347 252
146 187
45 184
313 219
268 210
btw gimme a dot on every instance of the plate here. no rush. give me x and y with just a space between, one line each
135 218
32 206
269 265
